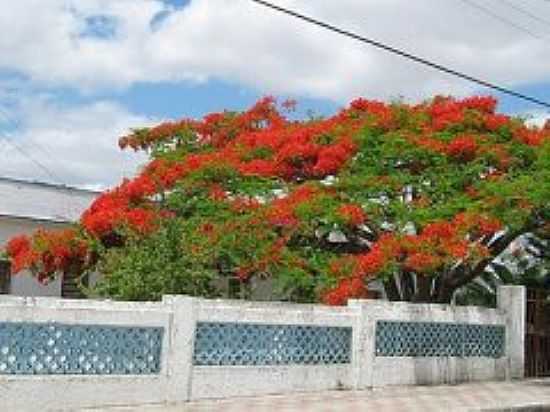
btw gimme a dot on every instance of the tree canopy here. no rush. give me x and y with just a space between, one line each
422 197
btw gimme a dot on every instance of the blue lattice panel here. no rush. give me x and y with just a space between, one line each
429 339
218 343
62 349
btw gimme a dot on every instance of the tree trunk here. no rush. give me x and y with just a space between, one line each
407 286
423 289
71 283
441 289
5 276
392 292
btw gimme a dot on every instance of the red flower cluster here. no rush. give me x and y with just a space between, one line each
353 271
19 250
495 122
462 148
439 244
531 136
262 142
447 112
378 113
443 243
349 288
477 224
117 208
47 252
282 212
352 214
285 149
216 129
422 262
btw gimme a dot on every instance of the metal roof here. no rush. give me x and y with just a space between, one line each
43 201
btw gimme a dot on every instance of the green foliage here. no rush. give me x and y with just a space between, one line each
423 197
149 268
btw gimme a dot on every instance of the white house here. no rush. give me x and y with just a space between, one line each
26 206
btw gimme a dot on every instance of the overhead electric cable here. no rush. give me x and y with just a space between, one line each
504 20
526 12
40 165
17 125
70 205
402 53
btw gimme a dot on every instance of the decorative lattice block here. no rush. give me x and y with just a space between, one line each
53 348
219 343
439 339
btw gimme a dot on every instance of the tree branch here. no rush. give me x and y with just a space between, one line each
463 275
390 287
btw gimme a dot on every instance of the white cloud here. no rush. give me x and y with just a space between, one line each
238 41
75 146
52 44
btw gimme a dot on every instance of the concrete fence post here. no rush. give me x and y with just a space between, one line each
512 301
181 344
362 345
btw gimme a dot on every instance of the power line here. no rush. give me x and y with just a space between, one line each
526 12
17 125
70 205
42 167
504 20
403 53
19 148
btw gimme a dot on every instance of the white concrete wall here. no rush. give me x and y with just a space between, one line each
230 381
376 371
180 381
67 392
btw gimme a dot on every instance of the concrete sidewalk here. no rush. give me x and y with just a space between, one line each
528 395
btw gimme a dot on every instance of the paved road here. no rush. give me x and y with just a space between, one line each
531 395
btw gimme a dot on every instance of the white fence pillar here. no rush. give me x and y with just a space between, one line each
362 344
180 352
512 301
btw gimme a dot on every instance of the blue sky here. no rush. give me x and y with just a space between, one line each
88 70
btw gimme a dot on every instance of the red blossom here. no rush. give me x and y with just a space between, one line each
422 262
282 212
531 136
346 289
484 104
141 220
259 167
47 252
352 214
19 250
462 148
495 122
217 193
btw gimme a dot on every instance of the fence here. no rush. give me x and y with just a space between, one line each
64 354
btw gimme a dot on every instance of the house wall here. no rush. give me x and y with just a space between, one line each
28 206
63 354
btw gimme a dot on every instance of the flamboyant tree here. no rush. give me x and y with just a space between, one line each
421 197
